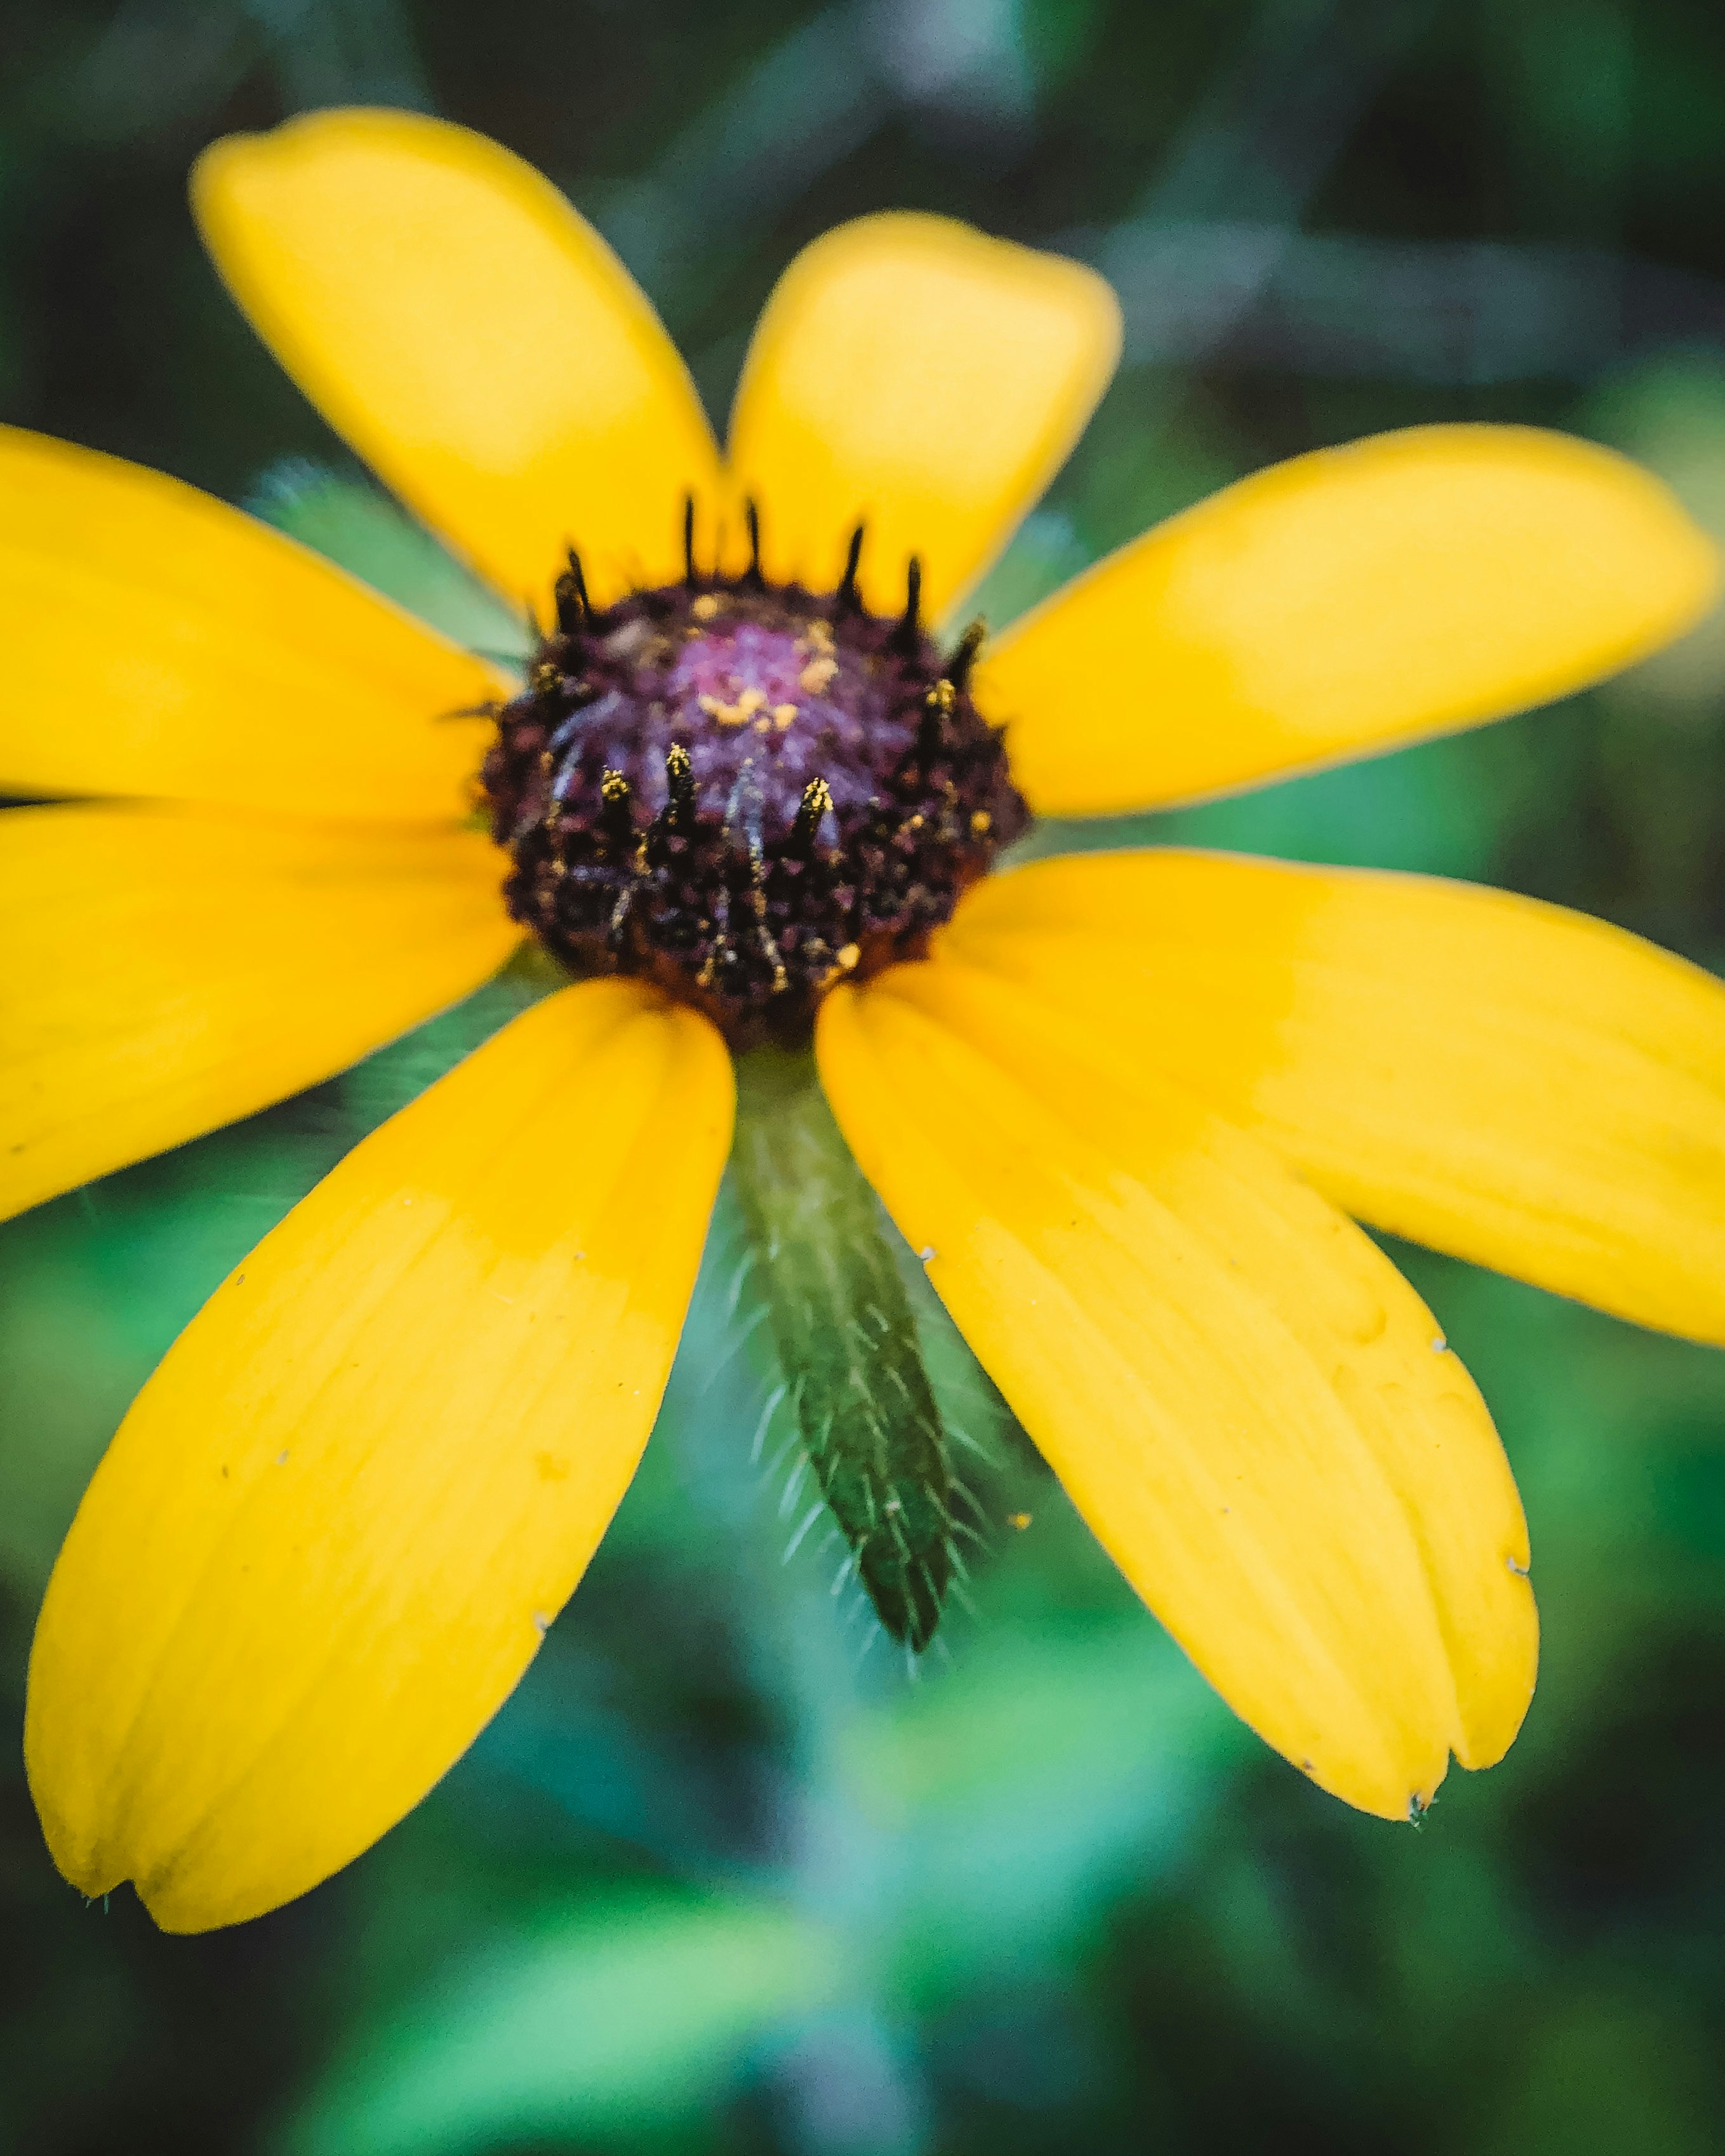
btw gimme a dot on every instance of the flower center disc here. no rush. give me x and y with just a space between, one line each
744 790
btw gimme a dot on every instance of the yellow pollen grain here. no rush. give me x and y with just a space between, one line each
980 821
734 714
704 607
817 642
849 955
764 726
783 714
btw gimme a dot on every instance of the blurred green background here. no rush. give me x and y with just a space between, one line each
717 1879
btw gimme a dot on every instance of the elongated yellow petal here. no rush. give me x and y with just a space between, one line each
1242 1395
330 1535
1341 603
474 338
169 969
1522 1086
159 643
912 374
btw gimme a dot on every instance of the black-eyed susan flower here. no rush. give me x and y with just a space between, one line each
1123 1105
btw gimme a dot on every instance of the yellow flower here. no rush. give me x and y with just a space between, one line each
1124 1104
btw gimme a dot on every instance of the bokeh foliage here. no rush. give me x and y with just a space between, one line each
718 1878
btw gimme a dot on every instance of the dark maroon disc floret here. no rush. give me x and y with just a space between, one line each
744 790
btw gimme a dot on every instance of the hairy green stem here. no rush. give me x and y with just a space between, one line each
845 1340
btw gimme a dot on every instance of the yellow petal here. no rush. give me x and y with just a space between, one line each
169 969
330 1533
910 373
474 338
1520 1085
159 643
1341 603
1243 1398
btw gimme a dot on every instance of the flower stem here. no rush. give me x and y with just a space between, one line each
846 1340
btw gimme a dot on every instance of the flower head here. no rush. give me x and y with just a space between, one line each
1123 1105
745 791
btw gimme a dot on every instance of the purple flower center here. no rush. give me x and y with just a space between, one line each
744 791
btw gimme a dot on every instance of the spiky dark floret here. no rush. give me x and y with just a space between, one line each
745 791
